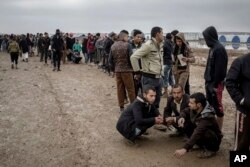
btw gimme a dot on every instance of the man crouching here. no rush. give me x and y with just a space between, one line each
206 132
139 116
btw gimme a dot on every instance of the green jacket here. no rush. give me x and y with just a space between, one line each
13 47
77 47
151 55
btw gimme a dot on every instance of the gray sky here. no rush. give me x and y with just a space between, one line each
21 16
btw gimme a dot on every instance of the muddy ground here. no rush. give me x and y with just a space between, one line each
68 118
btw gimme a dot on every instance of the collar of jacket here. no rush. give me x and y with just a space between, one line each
158 44
141 99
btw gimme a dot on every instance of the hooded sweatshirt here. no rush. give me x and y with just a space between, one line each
187 52
217 60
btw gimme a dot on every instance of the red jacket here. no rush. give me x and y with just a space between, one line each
91 46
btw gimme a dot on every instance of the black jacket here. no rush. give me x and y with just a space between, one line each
167 52
70 42
24 45
216 68
202 122
171 106
139 114
41 43
238 82
107 46
57 43
47 42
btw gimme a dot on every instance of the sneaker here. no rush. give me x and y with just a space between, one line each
12 66
54 69
129 142
206 154
59 69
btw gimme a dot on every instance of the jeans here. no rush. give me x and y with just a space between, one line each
168 79
89 57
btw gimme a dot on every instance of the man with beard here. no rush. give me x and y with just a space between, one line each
205 133
139 116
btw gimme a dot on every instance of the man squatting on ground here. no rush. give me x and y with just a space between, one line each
201 127
176 104
140 115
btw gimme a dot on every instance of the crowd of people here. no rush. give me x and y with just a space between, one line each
144 71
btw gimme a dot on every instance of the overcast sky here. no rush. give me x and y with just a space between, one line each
21 16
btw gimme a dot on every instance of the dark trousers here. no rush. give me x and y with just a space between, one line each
156 83
187 87
215 98
242 132
14 57
57 58
46 53
42 54
209 141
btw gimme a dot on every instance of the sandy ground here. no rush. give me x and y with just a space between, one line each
68 118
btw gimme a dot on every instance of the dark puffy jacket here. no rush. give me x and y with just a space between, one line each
238 82
216 68
24 45
57 43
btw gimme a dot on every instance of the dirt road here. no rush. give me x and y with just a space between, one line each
68 118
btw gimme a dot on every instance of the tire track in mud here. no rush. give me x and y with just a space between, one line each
79 151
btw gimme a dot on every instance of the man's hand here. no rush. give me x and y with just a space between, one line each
181 122
170 120
158 119
185 59
180 153
137 77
